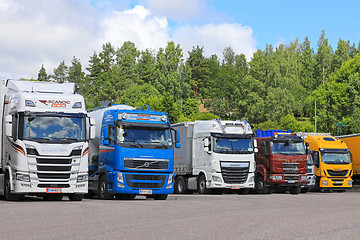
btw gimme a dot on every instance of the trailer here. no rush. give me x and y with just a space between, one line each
44 144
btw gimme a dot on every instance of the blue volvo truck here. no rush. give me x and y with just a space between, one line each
132 153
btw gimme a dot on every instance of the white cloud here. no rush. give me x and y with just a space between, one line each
179 9
33 33
136 25
214 38
39 32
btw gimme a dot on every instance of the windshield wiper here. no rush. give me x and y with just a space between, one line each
163 145
135 143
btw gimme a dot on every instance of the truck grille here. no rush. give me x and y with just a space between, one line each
290 168
53 169
140 163
291 178
235 174
145 181
337 173
338 182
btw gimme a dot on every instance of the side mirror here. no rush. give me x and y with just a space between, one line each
91 128
177 145
8 125
307 149
106 133
255 146
106 142
316 158
177 136
207 147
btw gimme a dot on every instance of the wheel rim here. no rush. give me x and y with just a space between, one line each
102 189
180 186
260 185
202 184
7 187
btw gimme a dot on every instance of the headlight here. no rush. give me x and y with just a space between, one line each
276 177
325 183
170 179
349 183
251 179
82 178
303 178
23 177
120 177
216 179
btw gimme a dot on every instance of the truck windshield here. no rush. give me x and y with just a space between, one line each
233 145
335 158
288 148
52 128
147 137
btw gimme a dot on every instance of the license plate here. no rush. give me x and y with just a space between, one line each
145 191
338 182
53 190
235 187
291 181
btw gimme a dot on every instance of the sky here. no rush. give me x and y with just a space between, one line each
42 32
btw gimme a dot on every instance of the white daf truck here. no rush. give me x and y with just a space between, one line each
44 140
215 156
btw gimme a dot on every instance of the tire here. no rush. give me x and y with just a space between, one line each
76 197
304 190
179 187
260 185
295 190
244 191
201 184
103 189
7 191
160 197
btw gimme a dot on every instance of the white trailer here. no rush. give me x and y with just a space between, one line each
214 156
44 144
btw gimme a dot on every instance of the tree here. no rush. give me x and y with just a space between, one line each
42 76
61 73
323 58
342 54
199 72
77 76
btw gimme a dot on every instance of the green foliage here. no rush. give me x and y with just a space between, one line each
277 86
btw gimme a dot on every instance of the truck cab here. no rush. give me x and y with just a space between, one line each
333 163
281 163
44 142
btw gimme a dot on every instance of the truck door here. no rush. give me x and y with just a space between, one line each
107 151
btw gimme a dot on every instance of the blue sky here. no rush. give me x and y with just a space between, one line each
41 32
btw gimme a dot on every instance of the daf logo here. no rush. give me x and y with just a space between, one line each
146 164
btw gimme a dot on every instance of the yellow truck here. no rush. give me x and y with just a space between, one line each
333 164
353 142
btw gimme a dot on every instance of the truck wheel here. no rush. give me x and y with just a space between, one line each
7 191
103 189
304 190
160 197
201 184
295 190
244 191
76 197
260 185
179 185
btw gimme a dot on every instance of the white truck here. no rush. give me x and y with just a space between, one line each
44 140
215 156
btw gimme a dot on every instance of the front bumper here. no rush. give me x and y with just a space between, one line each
37 188
220 184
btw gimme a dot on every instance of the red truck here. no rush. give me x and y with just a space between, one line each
281 164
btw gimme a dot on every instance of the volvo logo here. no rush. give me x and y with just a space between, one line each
146 164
